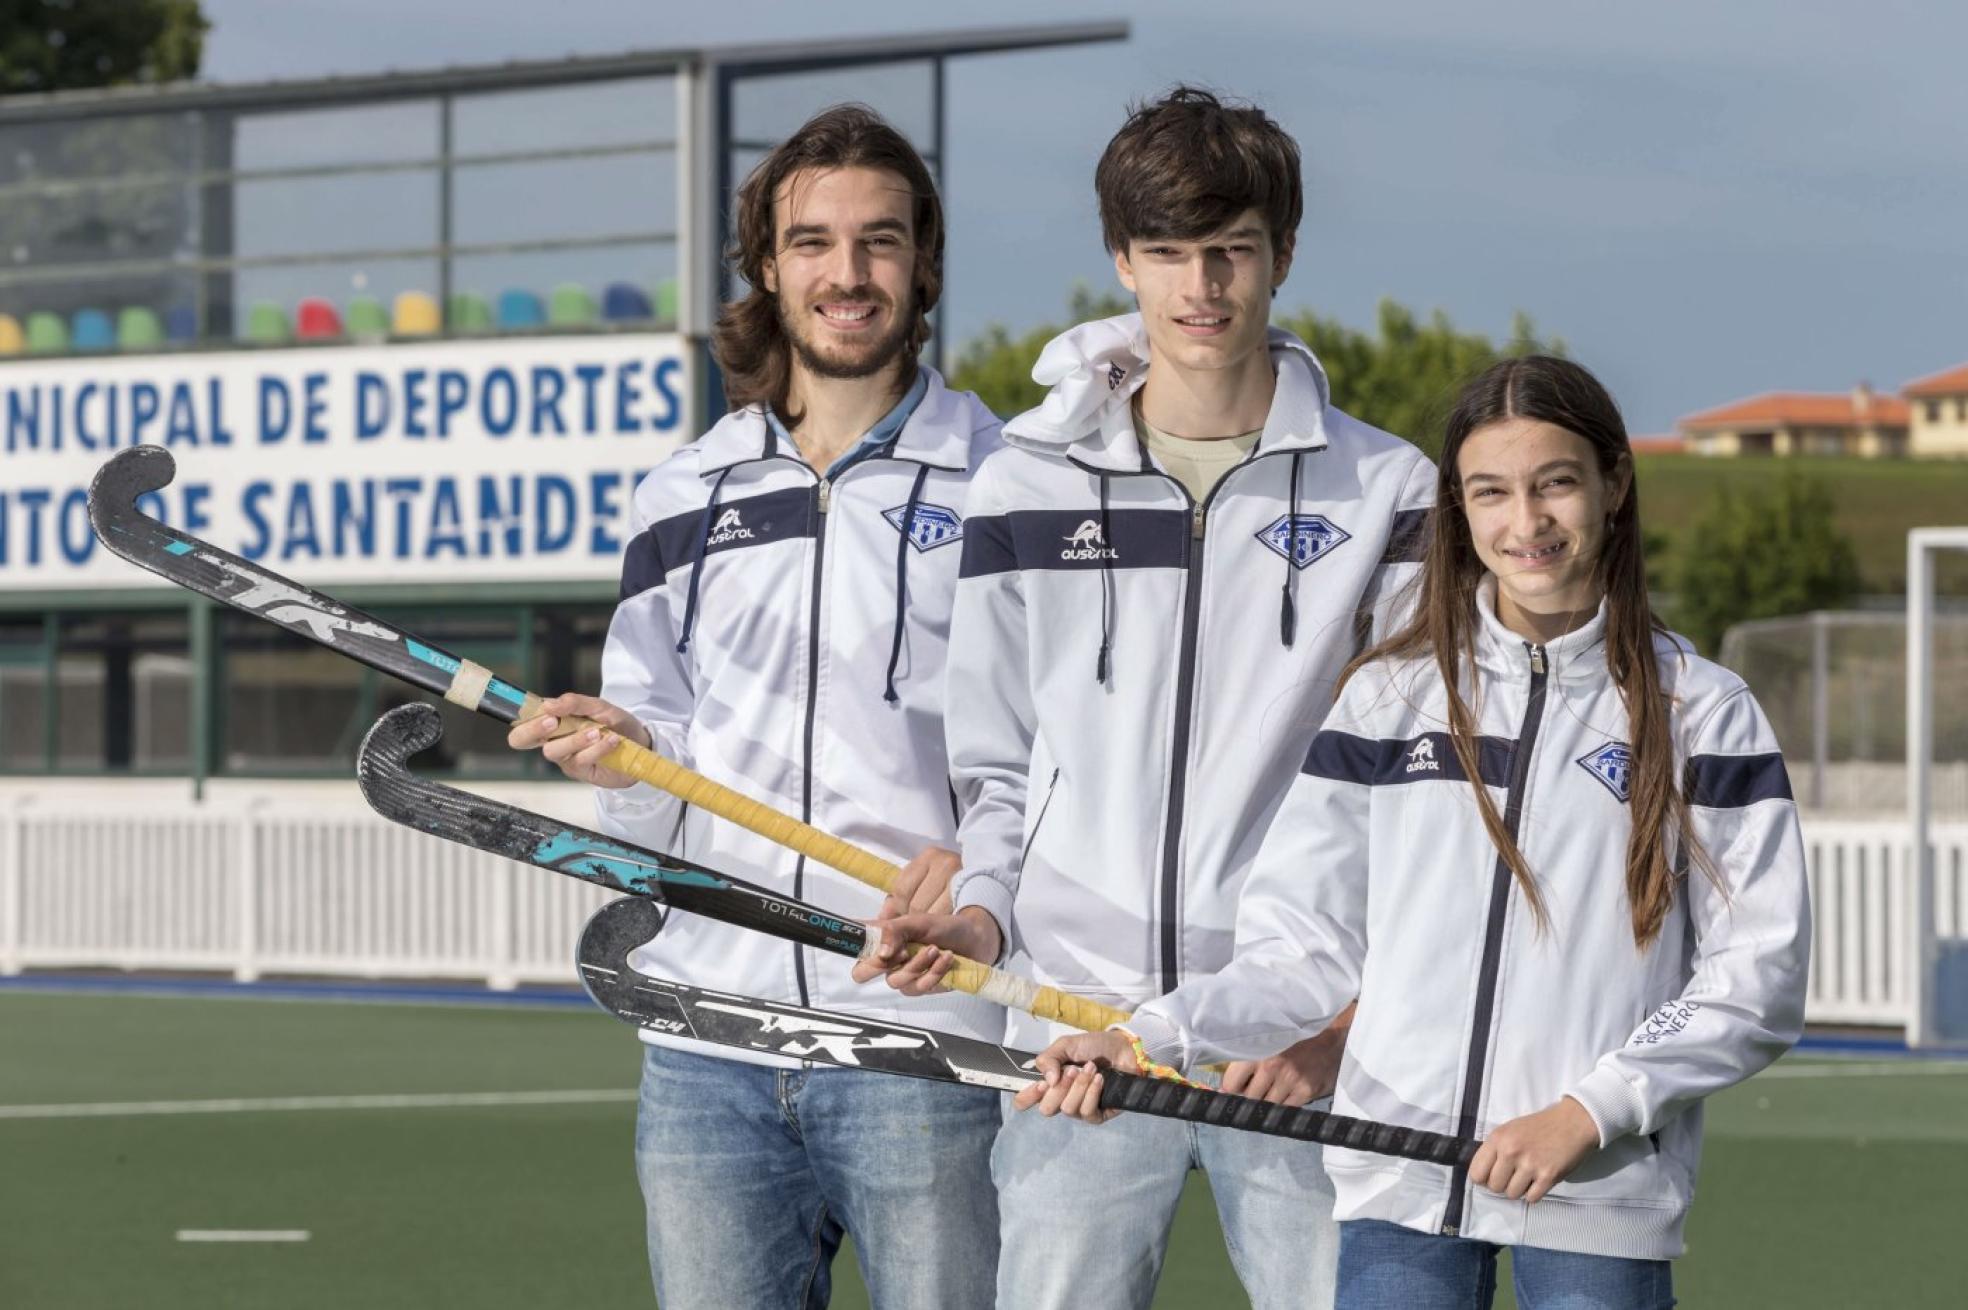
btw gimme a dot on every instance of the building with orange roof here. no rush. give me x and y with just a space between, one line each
1940 414
1856 422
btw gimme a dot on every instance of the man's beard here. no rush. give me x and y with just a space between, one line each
865 360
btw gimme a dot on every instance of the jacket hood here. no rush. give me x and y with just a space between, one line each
1093 371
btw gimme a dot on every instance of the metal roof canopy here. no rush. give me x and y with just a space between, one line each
705 78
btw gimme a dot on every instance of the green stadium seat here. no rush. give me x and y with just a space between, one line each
12 339
365 319
416 315
139 328
46 333
468 312
666 301
266 324
571 305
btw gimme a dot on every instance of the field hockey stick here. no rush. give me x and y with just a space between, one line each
855 1042
199 566
382 770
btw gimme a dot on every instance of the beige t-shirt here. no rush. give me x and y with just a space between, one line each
1196 464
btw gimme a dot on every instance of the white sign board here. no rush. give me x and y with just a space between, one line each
511 459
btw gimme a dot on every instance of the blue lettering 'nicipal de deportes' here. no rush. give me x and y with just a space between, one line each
413 402
548 385
372 406
453 396
276 410
498 401
314 408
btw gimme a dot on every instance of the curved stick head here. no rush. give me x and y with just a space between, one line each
611 933
390 742
114 490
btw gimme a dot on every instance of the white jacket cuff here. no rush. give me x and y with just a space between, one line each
1614 1105
1159 1037
976 887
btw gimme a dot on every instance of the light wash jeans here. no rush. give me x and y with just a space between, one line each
751 1174
1384 1266
1086 1210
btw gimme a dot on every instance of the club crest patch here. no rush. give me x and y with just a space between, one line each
1304 538
1611 764
932 526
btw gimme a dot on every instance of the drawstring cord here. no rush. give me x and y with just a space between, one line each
697 565
1288 608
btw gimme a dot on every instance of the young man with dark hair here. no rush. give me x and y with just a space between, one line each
782 629
1163 575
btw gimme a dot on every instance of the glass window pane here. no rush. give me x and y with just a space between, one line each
121 680
370 134
96 147
565 198
289 705
23 693
599 114
767 109
321 215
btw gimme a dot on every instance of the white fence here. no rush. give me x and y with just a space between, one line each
319 885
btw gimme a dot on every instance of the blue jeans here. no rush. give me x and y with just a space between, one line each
751 1174
1384 1266
1086 1211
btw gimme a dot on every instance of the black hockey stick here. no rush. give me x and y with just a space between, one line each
382 769
202 567
854 1042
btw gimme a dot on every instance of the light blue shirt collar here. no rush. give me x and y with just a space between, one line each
876 437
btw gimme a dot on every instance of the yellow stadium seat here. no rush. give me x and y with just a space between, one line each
11 339
416 315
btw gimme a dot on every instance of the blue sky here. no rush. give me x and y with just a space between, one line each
1705 200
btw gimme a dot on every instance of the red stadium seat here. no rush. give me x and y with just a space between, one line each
317 319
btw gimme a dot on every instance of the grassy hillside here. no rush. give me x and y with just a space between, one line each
1878 500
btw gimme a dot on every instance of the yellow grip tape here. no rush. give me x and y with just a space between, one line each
693 788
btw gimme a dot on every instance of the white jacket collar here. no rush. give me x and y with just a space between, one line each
938 433
1577 656
1094 370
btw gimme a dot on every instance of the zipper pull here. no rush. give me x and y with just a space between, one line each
825 490
1537 660
1196 521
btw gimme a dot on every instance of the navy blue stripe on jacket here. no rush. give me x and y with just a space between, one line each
1075 539
1735 781
1430 757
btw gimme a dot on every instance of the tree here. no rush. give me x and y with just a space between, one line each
1760 553
66 45
1402 378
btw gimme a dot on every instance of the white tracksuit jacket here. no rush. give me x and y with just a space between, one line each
1134 678
785 586
1379 881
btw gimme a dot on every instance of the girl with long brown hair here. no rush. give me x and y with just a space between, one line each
1552 852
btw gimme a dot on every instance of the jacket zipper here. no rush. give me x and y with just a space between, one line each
1185 690
822 494
1486 987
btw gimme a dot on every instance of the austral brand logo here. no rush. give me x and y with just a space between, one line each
730 527
1421 757
930 527
1088 542
1611 764
1304 538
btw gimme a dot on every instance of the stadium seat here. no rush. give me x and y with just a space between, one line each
46 333
266 324
91 330
366 320
666 301
468 312
12 342
137 328
624 302
316 319
416 315
181 323
520 309
571 306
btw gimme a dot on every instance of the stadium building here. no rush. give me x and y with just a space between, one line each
412 339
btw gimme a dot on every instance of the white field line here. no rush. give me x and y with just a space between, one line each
1895 1069
255 1105
243 1234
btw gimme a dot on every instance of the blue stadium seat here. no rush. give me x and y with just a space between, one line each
624 302
521 309
92 330
181 323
